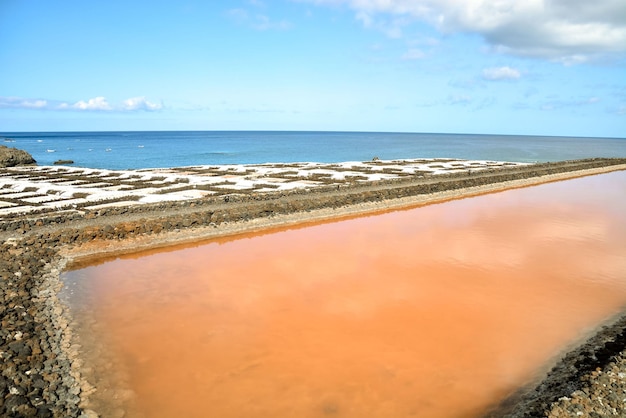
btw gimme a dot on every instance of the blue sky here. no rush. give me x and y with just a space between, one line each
537 67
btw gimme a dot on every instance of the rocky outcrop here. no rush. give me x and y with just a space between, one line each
11 157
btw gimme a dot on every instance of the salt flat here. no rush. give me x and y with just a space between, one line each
36 189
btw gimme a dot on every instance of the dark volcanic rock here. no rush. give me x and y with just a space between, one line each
11 157
34 369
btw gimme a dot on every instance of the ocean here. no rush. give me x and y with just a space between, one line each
159 149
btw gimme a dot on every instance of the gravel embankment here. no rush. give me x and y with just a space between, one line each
39 365
589 381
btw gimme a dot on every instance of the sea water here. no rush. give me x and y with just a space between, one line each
434 312
134 150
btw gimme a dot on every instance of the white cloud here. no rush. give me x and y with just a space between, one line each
501 73
459 99
392 28
429 41
569 31
258 21
553 103
413 54
141 103
262 22
96 104
20 103
365 19
239 15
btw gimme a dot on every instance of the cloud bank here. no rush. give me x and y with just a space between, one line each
96 104
569 31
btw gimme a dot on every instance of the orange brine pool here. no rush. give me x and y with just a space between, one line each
436 311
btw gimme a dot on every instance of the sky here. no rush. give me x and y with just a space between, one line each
522 67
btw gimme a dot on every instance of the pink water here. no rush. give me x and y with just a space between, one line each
437 311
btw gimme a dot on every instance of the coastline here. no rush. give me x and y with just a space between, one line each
41 362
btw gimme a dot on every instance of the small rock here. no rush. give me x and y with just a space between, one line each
88 413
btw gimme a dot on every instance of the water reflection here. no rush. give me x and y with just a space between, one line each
437 311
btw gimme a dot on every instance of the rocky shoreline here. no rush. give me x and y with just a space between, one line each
39 361
11 157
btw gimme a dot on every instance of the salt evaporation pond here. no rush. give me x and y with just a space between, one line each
436 311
